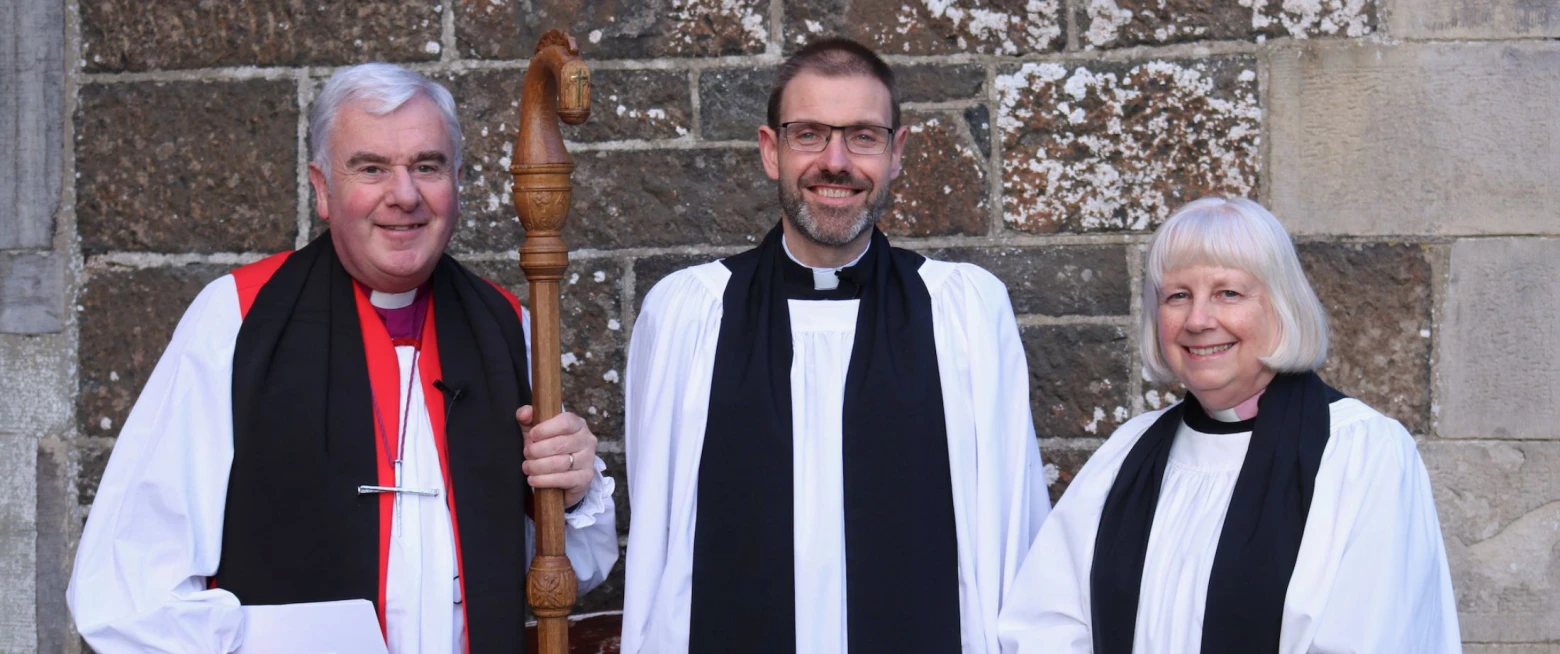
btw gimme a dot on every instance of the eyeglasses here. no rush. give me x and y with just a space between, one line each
814 137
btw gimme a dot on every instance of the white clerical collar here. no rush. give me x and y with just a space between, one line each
392 300
824 279
1224 415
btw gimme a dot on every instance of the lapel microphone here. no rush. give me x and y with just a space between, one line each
450 395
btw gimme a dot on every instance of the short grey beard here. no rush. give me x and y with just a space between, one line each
801 217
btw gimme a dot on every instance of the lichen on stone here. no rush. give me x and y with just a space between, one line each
982 26
1119 23
699 21
1104 147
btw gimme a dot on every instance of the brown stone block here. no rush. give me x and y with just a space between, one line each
1124 23
614 29
661 198
655 104
1378 302
1078 379
1099 146
942 190
636 104
187 167
1082 280
734 102
592 337
892 27
125 35
489 106
127 317
934 83
1061 467
625 104
630 198
651 270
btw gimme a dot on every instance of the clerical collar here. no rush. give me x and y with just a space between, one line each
402 313
384 300
1223 415
1216 422
824 279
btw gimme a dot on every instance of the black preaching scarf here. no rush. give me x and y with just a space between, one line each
1262 529
901 551
295 528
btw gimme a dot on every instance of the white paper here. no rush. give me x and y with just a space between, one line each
344 627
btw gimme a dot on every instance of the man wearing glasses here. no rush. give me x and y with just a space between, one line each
829 439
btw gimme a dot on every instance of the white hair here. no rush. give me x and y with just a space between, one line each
379 89
1239 234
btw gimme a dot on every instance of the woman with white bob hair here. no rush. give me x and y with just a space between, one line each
1266 512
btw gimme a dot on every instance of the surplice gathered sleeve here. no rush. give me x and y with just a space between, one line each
1386 586
155 530
670 361
1047 608
999 487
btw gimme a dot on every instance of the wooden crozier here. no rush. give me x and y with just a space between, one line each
557 85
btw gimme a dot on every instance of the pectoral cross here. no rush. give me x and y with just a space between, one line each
397 488
429 492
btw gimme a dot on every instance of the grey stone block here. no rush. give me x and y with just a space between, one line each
18 542
733 102
1515 648
32 72
32 292
36 383
1416 139
1473 19
56 532
1499 370
1087 280
1499 503
1078 377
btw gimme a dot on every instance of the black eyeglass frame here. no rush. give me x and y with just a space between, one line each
888 144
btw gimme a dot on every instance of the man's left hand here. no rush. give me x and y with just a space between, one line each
559 453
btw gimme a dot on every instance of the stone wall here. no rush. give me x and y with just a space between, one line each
1409 144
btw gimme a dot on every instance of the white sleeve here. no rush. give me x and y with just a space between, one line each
1005 378
589 532
669 363
154 533
1003 492
1391 589
1047 610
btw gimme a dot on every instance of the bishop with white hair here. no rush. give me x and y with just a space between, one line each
342 423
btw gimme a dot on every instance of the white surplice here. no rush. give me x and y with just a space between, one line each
1371 575
999 490
155 530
